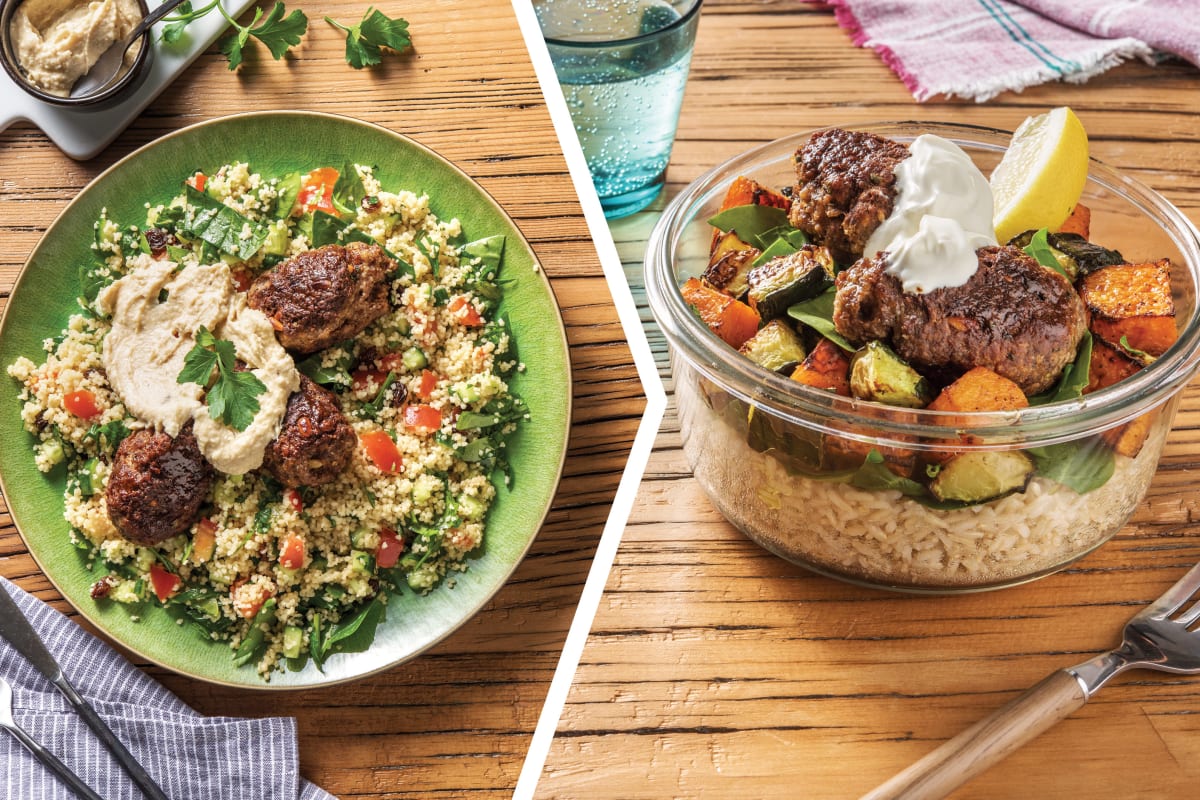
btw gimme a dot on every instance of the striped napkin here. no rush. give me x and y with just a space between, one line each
192 757
980 48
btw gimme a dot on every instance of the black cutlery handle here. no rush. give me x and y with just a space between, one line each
110 740
52 763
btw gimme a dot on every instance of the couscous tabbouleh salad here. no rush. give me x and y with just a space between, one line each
283 399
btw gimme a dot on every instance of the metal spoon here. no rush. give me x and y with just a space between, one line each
105 70
43 755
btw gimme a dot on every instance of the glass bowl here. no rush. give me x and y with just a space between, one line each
759 443
119 90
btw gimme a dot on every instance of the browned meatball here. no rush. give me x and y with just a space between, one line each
845 185
315 441
157 485
1013 316
321 297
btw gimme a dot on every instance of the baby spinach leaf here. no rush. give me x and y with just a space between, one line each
328 229
750 222
779 247
1041 251
1074 379
348 191
217 224
874 476
1083 464
817 313
255 640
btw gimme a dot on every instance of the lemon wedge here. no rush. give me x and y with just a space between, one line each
1041 177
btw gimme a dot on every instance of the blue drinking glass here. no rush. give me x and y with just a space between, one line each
622 65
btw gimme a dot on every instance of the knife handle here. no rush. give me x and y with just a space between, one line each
110 740
52 763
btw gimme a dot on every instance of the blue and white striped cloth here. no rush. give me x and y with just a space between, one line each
192 757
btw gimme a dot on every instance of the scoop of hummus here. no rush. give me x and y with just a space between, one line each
156 311
58 41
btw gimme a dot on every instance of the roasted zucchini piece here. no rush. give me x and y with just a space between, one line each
1075 254
786 280
877 373
730 270
982 475
775 347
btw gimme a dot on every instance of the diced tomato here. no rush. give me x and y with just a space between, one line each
81 403
295 500
291 555
422 417
382 451
248 603
461 308
390 548
392 362
363 378
429 382
242 278
204 541
197 181
316 190
165 583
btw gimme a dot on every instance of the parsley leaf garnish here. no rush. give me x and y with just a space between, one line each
277 32
233 396
376 30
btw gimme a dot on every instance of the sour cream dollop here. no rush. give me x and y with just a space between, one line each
941 215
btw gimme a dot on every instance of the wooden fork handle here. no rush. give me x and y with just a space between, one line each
986 742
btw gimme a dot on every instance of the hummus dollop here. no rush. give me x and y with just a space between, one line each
58 41
156 311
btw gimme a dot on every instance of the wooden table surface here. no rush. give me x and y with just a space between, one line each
715 669
456 722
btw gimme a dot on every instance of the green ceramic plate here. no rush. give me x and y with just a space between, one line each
275 144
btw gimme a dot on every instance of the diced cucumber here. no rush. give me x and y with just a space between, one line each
471 507
125 592
468 393
362 562
293 640
363 538
276 243
414 359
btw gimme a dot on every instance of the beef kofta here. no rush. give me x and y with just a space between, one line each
1013 316
157 485
845 185
315 441
324 296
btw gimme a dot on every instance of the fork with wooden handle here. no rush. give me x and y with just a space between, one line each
1165 636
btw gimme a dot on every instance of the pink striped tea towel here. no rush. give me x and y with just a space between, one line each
980 48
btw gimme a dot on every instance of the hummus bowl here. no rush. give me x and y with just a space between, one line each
44 298
78 35
750 434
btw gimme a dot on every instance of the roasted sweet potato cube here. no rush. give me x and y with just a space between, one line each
826 366
746 192
980 389
838 453
1109 365
1133 301
733 321
1080 221
1127 439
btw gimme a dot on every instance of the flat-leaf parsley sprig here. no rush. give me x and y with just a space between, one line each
233 396
374 31
277 32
